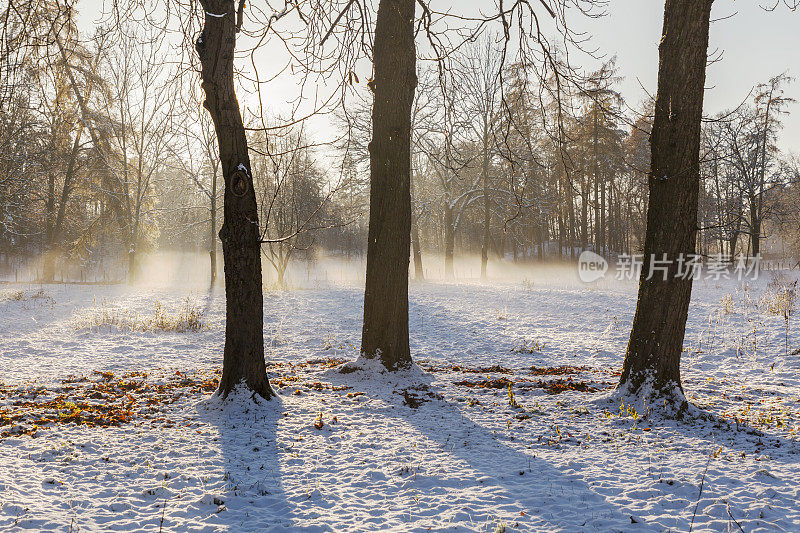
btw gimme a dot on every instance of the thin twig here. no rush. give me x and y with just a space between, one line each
702 481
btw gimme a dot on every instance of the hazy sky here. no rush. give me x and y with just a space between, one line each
755 45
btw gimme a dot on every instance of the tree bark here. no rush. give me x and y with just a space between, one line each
542 229
584 216
598 206
131 262
280 268
416 246
212 238
416 249
385 332
243 360
652 361
486 203
449 243
571 232
756 212
755 235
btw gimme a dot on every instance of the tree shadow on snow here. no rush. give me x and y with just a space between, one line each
248 491
513 486
705 426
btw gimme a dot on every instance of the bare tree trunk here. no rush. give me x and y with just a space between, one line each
419 274
652 362
385 332
243 360
541 233
449 243
584 217
131 262
755 207
281 270
54 231
598 206
486 203
416 246
603 232
755 230
212 238
571 217
49 260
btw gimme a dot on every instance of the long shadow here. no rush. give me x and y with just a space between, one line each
519 488
248 494
440 317
714 431
706 427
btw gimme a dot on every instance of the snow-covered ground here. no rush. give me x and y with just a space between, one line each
435 448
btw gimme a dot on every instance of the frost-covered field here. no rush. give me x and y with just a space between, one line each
435 448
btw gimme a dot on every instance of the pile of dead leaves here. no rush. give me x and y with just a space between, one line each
553 386
414 397
98 400
496 383
327 362
558 370
557 386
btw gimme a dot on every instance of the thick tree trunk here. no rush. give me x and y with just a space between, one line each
385 332
243 360
652 362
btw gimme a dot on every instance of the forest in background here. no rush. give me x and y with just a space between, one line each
108 155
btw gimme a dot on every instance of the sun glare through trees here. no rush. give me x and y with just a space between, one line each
399 265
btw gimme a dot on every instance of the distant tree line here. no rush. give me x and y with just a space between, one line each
495 150
108 154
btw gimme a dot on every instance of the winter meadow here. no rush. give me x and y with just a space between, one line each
399 265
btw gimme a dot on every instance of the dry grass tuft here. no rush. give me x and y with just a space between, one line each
727 305
529 346
13 296
20 296
188 318
780 298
